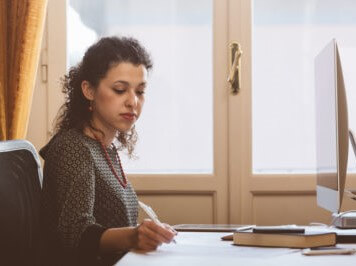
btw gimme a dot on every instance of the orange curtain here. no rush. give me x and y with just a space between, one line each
3 68
21 31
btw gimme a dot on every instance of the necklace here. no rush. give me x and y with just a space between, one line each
108 160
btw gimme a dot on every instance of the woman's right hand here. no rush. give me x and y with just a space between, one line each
150 235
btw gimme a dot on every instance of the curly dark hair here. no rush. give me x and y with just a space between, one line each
98 59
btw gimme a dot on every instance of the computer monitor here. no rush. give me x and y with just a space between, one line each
331 128
332 131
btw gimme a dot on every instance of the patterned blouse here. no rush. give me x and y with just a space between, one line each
81 198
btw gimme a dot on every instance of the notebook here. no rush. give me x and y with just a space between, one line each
211 227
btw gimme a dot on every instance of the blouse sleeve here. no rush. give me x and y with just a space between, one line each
74 175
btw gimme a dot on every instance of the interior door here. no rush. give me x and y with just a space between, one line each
271 124
182 165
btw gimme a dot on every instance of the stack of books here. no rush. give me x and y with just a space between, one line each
277 236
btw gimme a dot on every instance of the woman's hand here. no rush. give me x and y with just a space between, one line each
150 235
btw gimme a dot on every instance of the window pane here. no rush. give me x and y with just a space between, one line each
176 126
287 35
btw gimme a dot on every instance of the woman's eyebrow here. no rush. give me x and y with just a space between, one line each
122 82
127 83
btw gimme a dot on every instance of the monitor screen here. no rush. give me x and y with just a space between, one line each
331 128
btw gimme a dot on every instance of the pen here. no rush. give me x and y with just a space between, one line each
148 210
245 228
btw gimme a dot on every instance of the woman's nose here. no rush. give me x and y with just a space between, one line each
131 99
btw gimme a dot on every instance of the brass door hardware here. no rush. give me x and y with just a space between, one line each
235 67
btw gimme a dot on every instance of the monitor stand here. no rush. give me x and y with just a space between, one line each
344 220
347 219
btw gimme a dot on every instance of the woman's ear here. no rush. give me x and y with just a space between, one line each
88 90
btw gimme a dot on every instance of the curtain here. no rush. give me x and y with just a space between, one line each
3 64
21 31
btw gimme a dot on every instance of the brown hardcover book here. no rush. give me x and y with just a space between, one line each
308 240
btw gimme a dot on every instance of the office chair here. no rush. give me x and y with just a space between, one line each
20 188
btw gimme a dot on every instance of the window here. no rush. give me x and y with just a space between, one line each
178 34
287 35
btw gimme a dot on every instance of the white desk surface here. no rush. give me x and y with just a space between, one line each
205 249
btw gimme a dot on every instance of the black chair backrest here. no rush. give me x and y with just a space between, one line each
20 192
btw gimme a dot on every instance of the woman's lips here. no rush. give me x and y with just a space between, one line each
129 116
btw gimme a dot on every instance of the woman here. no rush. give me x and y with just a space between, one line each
89 208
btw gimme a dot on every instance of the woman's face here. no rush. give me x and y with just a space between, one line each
119 97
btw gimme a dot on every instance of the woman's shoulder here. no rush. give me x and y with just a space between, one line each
67 142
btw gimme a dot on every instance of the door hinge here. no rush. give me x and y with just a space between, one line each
44 66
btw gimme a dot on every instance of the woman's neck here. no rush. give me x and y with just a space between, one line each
100 133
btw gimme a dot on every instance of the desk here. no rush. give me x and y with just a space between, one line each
206 249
